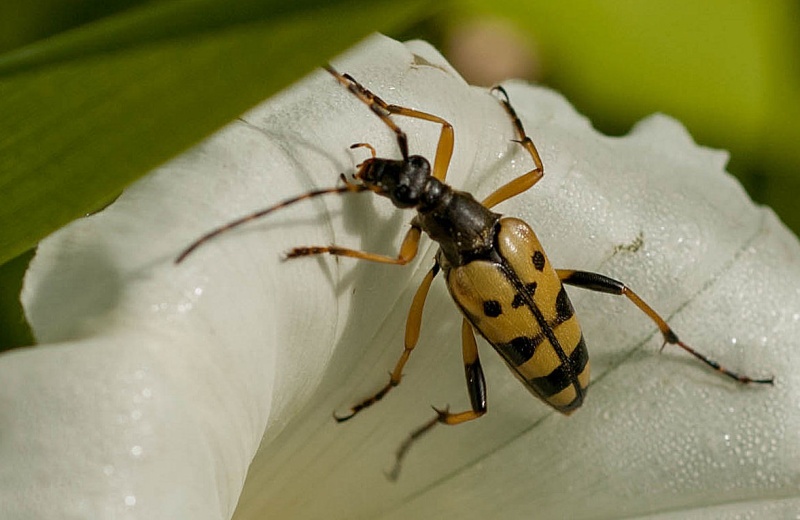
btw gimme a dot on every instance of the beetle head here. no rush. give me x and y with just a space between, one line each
402 181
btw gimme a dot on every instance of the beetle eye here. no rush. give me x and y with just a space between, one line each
417 162
402 193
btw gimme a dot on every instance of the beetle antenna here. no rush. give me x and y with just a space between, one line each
349 187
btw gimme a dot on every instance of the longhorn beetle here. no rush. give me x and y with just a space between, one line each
494 267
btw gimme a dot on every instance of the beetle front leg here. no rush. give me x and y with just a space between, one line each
444 148
527 180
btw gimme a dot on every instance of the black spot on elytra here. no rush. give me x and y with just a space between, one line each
564 310
552 383
519 299
520 349
580 356
563 375
538 260
492 308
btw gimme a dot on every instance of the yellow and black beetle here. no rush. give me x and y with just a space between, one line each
495 269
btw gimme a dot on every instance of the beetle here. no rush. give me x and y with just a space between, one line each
494 267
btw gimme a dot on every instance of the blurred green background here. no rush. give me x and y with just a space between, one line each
94 93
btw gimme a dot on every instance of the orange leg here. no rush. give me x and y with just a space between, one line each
600 283
444 149
413 324
408 250
524 181
476 387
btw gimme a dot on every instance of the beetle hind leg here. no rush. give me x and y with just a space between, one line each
476 387
600 283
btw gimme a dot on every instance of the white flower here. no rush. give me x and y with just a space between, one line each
155 384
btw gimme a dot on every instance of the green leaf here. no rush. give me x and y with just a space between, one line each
728 70
87 112
14 330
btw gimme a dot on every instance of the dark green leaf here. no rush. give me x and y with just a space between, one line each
87 112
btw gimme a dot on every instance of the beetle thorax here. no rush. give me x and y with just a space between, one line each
462 226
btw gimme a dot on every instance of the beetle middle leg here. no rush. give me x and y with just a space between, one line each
600 283
413 324
408 250
476 387
525 181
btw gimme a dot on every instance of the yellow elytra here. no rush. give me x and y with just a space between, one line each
518 303
494 267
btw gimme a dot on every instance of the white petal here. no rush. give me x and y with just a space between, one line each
155 383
